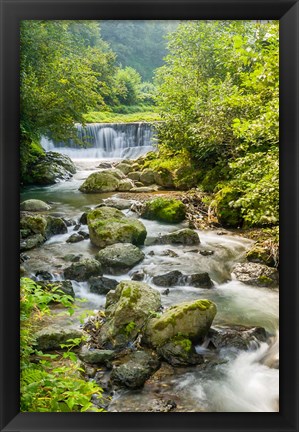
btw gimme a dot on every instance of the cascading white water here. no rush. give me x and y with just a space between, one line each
107 140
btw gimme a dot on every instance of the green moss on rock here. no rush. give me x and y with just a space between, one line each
164 210
98 182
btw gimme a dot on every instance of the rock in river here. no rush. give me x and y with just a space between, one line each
50 168
34 205
127 310
119 258
164 209
108 225
185 236
192 319
256 274
102 284
82 270
102 181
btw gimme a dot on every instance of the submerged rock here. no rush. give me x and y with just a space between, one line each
119 258
102 284
192 319
137 368
108 226
34 205
164 210
83 269
256 274
127 310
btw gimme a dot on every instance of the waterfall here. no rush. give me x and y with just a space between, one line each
106 140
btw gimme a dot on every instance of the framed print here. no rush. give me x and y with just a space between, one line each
149 215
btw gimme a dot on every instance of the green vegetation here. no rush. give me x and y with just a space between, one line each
112 117
49 382
218 98
165 210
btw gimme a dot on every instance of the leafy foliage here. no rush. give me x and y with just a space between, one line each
50 383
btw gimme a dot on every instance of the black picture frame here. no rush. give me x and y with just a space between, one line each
12 11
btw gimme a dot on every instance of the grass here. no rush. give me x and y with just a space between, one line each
111 117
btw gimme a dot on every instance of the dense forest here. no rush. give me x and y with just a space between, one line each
202 100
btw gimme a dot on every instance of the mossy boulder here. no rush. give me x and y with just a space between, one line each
163 177
135 369
75 238
124 167
191 319
50 168
239 337
227 213
164 210
147 177
119 258
83 269
127 310
185 236
108 226
53 336
261 255
179 351
55 225
34 205
256 274
36 224
125 185
98 182
135 176
31 242
119 203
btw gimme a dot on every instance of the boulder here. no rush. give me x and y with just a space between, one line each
119 258
134 175
164 210
102 284
83 269
256 274
260 255
36 224
31 242
185 236
98 182
95 356
147 177
55 225
168 279
127 310
179 351
164 178
125 185
44 275
190 319
119 203
75 238
105 165
124 167
136 369
153 188
84 234
200 280
51 337
50 168
239 337
34 205
108 226
137 275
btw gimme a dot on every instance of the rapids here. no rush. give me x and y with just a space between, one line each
239 381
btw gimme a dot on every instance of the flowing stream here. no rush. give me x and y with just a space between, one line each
242 380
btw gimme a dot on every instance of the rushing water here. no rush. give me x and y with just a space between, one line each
242 380
107 140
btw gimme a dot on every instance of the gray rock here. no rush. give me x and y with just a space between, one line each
119 258
153 188
31 242
53 336
239 337
55 225
137 275
256 274
44 275
139 366
185 236
125 185
134 175
180 351
200 280
119 203
50 168
75 238
96 356
168 279
102 284
34 205
83 269
84 234
124 167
